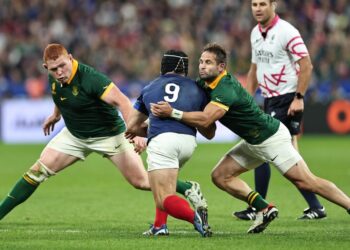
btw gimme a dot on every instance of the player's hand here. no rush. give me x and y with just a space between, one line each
161 109
49 124
297 106
140 144
129 135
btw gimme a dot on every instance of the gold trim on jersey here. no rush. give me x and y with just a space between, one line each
74 70
214 83
220 105
108 89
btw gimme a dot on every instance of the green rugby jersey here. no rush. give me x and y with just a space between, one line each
81 106
243 116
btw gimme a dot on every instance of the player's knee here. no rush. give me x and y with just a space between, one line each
140 183
39 172
216 177
305 185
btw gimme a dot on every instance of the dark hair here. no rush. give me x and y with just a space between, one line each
221 55
174 61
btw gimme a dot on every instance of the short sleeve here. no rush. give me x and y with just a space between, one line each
140 105
99 84
223 95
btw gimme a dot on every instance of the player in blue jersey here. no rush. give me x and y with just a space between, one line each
170 142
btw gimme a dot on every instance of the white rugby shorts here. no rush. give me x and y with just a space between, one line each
278 150
67 143
170 150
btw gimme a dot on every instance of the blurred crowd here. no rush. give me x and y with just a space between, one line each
126 39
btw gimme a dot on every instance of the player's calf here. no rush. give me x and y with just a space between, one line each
24 187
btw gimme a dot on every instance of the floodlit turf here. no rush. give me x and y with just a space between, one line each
90 206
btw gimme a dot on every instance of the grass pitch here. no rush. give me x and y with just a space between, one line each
90 206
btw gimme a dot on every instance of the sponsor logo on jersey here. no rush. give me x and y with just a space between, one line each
53 88
75 90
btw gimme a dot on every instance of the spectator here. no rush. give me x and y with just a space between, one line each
124 36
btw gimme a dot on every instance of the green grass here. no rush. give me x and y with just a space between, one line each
90 206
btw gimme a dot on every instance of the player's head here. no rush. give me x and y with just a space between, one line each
58 62
264 10
174 61
212 62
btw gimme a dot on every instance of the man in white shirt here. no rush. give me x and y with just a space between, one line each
281 68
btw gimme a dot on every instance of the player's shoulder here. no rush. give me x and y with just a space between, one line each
87 71
229 79
85 68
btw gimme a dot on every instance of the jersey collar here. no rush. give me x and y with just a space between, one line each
74 70
273 23
214 83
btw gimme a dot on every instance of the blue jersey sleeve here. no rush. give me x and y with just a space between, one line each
140 105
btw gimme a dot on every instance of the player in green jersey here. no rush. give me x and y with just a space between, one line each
265 139
87 101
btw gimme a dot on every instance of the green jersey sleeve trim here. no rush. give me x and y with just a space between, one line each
220 105
108 89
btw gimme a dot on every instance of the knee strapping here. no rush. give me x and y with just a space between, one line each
42 174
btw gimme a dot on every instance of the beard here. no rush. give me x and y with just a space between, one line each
208 78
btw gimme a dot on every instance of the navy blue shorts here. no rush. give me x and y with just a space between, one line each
278 107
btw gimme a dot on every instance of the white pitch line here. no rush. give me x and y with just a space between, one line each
77 231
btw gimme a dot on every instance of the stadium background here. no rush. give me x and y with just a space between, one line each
90 206
125 39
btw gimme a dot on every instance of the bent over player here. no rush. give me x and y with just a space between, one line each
86 99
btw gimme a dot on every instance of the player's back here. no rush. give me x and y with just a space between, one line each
182 93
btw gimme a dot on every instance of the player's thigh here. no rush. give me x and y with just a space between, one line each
169 150
68 144
121 153
62 151
110 145
240 159
300 172
278 150
129 163
55 160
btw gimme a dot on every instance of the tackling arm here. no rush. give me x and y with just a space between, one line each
203 120
136 125
208 132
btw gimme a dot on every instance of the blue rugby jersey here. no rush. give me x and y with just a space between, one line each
181 92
